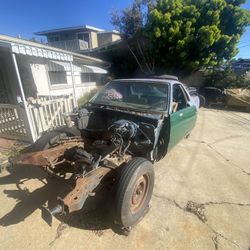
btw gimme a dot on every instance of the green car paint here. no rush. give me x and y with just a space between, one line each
181 124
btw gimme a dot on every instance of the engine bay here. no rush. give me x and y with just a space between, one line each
130 133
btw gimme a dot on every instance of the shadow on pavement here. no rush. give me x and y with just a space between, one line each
97 213
228 108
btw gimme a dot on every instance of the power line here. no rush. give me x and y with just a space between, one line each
244 46
242 42
245 39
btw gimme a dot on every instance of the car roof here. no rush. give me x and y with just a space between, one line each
152 80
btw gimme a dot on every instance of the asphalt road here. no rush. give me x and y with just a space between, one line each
201 199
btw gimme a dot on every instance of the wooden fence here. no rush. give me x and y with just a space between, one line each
46 113
13 122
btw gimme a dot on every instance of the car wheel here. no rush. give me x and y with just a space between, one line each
134 191
202 101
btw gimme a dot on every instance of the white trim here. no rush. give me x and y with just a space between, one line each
77 85
62 66
93 28
97 70
33 137
116 32
46 32
37 52
6 41
60 86
73 84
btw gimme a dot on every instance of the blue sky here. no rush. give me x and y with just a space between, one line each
24 17
244 45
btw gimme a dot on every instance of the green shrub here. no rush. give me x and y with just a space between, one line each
226 78
14 150
86 97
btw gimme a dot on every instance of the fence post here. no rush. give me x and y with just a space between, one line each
30 127
73 83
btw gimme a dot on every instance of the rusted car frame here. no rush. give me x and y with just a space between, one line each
52 159
127 126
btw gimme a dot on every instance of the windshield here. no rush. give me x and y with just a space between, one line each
143 95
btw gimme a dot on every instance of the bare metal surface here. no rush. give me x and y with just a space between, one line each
45 157
83 187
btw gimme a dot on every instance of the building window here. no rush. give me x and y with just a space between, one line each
83 36
57 77
53 38
88 77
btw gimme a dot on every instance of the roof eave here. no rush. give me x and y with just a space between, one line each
10 40
47 32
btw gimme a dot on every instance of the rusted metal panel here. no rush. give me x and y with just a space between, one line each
83 183
46 157
75 200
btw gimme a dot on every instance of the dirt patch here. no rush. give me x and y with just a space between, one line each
196 209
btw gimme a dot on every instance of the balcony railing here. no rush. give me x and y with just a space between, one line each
71 45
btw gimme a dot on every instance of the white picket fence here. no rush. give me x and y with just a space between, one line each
13 122
46 113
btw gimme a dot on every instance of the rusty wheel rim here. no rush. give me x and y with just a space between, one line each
139 193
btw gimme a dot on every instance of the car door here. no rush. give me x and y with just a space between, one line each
182 117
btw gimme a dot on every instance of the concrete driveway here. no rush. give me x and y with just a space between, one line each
201 199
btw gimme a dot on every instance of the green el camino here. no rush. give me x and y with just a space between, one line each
127 126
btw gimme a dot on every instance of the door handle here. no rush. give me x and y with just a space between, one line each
181 114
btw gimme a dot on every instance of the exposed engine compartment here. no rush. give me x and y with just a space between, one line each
132 133
109 138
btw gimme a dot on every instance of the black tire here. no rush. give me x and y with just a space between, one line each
51 137
45 141
134 191
202 101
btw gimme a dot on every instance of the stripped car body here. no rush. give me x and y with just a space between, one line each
127 119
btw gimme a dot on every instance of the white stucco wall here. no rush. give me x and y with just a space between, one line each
81 89
77 78
41 79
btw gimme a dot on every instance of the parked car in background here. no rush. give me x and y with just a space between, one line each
213 96
197 97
